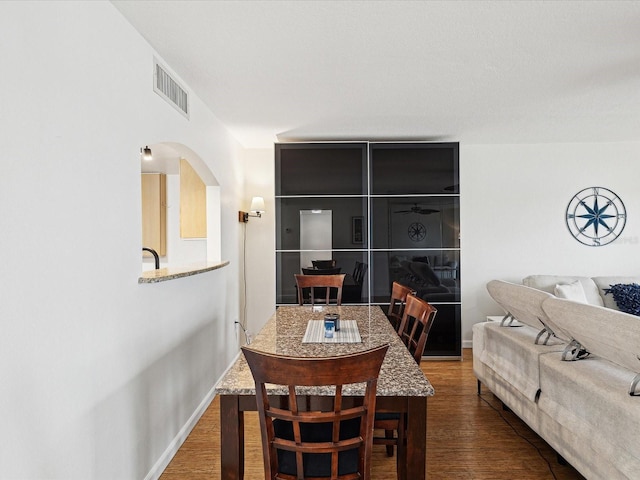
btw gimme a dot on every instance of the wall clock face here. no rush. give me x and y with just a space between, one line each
596 216
417 231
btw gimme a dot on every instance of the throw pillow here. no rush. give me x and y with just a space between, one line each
571 291
627 297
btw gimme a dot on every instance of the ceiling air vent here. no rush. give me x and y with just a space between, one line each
166 86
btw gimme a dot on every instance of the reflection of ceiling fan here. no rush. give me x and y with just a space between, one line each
417 209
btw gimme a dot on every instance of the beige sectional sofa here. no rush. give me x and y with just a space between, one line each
568 367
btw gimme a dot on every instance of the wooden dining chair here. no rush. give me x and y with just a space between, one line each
327 283
416 322
414 329
399 294
333 443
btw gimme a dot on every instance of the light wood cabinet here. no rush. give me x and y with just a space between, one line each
193 203
154 212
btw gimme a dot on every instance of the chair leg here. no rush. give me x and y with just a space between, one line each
389 434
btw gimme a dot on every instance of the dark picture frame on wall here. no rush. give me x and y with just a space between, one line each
357 235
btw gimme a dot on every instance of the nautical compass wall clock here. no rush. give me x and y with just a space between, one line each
596 216
417 231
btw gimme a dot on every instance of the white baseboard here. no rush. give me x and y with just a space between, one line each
176 443
179 439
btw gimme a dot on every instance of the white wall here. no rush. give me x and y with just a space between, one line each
98 374
260 238
513 204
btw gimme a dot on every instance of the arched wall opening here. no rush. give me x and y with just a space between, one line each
178 250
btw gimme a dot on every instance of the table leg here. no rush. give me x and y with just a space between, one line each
416 450
231 438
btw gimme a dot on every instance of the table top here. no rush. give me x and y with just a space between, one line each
283 333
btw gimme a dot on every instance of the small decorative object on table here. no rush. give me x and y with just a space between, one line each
335 318
329 326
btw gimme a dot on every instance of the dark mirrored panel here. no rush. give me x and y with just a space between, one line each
287 265
409 169
445 336
356 282
415 222
433 274
325 223
354 264
321 169
377 212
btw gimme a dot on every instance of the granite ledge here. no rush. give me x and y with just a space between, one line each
171 273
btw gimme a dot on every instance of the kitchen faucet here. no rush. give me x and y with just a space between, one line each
155 256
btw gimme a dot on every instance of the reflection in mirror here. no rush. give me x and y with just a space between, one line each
315 234
416 222
433 273
343 209
288 264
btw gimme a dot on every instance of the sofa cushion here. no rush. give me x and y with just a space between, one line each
627 297
607 333
511 353
604 283
547 283
571 291
593 416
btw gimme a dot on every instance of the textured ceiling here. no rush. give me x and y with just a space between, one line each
475 72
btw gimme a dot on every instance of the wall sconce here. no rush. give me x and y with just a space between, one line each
256 210
146 153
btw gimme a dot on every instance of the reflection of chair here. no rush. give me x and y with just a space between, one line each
321 271
327 282
414 329
322 264
396 304
359 272
332 443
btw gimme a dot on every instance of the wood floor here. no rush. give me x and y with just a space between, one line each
469 437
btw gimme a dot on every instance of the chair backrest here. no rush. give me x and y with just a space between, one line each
399 294
301 444
359 272
322 264
325 282
415 325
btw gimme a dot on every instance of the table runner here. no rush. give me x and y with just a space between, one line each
348 333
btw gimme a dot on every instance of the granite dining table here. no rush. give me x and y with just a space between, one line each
402 386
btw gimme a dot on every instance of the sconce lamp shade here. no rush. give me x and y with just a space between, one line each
256 210
257 205
146 153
